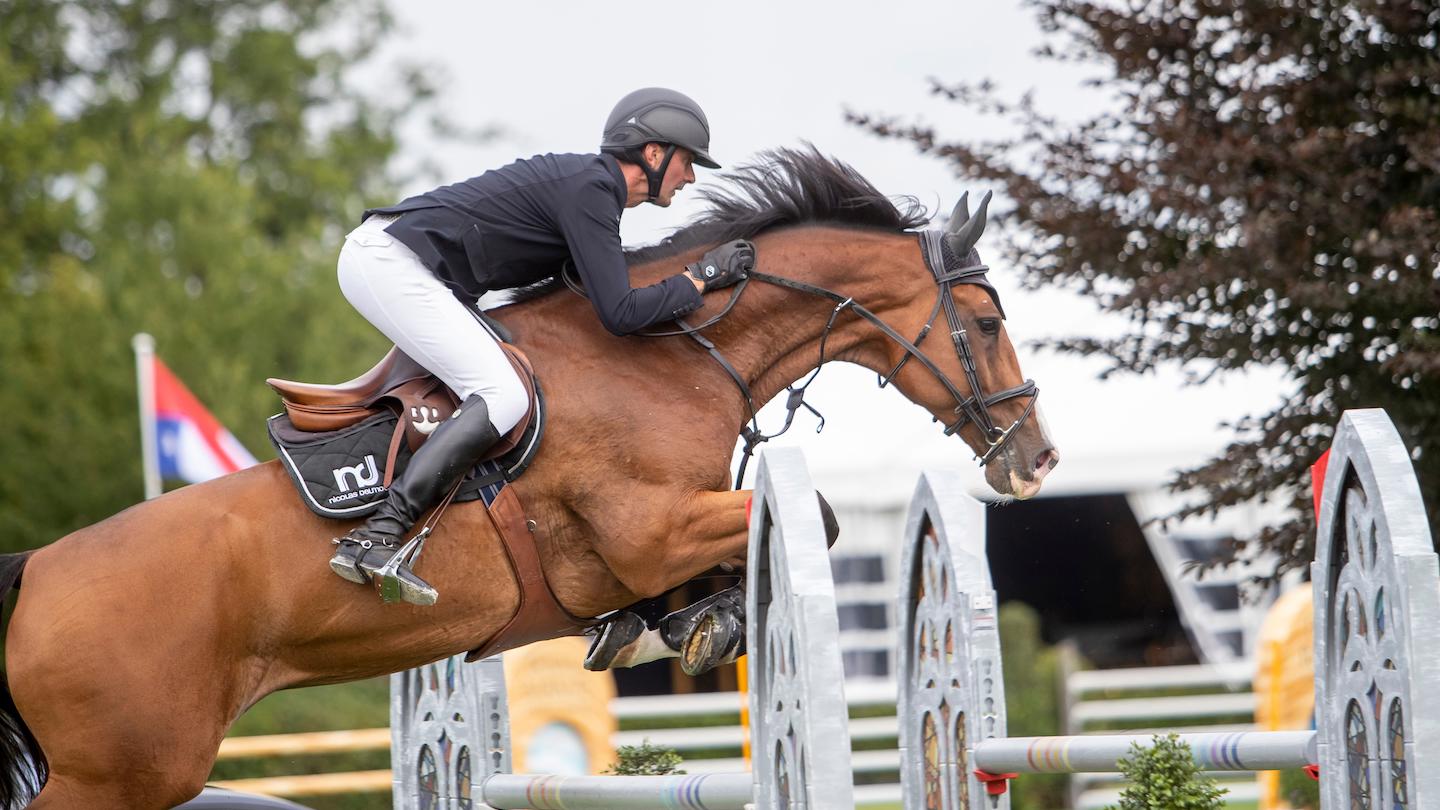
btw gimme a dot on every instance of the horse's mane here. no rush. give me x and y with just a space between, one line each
781 187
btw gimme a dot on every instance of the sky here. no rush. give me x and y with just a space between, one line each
779 74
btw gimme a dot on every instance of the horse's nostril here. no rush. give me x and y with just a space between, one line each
1047 459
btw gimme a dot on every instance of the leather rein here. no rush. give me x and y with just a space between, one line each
974 408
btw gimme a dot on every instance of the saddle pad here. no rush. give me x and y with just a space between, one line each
342 473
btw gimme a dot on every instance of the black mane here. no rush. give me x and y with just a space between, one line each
785 187
782 187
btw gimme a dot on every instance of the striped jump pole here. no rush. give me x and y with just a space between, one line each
521 791
1377 651
1234 751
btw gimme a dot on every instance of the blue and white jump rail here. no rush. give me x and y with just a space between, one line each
1377 675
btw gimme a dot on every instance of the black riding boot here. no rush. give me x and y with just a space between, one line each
455 447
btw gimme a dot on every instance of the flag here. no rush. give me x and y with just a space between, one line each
183 440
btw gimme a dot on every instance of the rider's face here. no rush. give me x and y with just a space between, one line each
680 173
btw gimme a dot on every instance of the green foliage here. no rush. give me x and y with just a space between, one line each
184 169
645 760
1298 790
363 704
1261 191
1032 699
1165 777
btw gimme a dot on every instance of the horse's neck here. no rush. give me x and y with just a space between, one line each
773 337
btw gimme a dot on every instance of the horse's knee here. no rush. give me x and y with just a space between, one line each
832 526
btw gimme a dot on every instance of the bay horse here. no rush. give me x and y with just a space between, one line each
136 642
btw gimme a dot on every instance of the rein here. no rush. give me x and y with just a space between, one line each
973 408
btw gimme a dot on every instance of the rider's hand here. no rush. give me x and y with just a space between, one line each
724 265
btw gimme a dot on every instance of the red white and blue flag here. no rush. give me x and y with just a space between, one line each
185 441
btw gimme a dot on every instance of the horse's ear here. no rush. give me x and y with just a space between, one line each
960 214
963 240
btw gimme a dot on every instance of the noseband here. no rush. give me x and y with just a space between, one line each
948 271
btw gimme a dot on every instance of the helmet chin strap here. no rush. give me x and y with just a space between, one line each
656 176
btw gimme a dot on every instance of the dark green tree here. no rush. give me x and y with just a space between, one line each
1032 699
1263 190
188 170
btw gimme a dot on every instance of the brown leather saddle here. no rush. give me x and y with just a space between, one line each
398 383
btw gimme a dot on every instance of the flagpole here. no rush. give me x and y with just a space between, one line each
144 346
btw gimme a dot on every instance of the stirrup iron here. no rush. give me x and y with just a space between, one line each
396 588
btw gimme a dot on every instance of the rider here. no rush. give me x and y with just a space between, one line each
415 270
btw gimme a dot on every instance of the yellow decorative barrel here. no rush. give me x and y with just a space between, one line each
1285 677
560 717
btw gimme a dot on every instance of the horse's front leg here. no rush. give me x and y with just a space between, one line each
723 522
709 632
716 531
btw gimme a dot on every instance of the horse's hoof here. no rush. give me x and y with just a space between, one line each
716 638
613 637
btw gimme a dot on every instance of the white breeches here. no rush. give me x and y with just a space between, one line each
389 285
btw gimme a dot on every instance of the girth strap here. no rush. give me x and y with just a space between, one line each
539 615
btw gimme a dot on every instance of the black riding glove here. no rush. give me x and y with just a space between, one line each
724 265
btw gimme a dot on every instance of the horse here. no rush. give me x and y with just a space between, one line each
136 642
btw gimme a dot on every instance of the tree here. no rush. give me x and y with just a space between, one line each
1265 192
185 169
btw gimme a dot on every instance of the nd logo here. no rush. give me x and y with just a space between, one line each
364 473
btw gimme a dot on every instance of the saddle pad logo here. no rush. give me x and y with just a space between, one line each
364 473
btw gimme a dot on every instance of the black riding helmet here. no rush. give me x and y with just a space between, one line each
657 115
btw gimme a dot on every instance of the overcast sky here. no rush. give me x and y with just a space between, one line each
776 74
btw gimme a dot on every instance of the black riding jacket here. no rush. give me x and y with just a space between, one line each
516 225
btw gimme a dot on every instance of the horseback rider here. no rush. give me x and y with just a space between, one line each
416 270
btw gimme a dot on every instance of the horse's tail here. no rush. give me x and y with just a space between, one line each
23 768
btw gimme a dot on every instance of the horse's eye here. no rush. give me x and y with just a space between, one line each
990 326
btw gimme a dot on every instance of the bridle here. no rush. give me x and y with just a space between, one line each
948 271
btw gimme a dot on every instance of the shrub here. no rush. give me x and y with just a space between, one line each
1165 776
645 760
